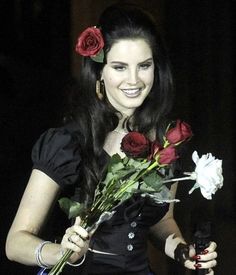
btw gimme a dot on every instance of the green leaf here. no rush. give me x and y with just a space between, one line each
115 163
140 163
114 159
99 57
109 177
153 180
70 207
144 166
109 186
134 162
124 173
134 176
126 160
117 167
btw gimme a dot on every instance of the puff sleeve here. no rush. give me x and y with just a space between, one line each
56 153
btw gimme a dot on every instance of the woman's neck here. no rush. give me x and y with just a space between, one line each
122 125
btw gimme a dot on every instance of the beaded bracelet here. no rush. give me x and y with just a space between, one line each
38 255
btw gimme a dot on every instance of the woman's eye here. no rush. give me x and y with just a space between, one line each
119 68
145 66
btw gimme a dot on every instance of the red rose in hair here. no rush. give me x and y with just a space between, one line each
90 42
166 155
179 133
135 145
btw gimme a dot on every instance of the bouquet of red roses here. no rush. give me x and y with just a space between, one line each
145 170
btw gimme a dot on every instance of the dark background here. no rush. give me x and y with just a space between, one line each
37 62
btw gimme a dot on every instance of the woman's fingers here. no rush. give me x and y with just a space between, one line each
77 220
210 272
78 230
206 265
200 265
205 260
192 251
212 247
77 240
76 237
190 264
81 232
208 256
70 243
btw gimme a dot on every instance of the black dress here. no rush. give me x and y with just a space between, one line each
119 246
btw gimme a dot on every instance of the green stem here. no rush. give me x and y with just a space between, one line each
102 199
178 179
151 167
57 268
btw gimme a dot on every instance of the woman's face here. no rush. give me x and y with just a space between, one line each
129 74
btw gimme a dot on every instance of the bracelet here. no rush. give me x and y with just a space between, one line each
84 257
38 255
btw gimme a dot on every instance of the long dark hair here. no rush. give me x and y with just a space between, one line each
96 118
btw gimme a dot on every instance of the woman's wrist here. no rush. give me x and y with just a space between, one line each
48 254
171 244
39 255
75 260
79 262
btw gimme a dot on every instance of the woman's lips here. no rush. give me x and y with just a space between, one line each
134 92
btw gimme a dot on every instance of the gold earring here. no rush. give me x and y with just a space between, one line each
100 89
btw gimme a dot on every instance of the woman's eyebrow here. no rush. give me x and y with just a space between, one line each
119 62
147 60
125 64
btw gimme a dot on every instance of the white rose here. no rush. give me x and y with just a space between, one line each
208 174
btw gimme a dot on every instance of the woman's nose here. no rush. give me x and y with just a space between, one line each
133 77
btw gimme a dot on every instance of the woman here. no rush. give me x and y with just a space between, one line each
128 68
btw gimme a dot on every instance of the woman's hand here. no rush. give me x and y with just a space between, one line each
186 254
76 238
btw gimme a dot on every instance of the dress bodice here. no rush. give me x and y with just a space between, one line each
119 243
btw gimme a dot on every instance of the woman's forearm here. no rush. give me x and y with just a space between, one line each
22 240
160 232
21 247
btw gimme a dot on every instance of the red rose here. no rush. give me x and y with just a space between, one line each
179 133
135 145
155 148
166 155
90 42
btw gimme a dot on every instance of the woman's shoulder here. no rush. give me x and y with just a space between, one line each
54 139
57 153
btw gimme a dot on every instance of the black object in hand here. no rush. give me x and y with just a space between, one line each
202 239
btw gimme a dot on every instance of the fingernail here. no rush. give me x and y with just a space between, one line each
196 257
198 265
204 252
85 238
